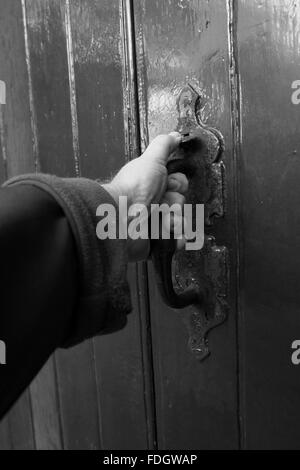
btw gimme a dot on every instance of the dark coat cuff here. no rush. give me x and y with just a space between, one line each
104 296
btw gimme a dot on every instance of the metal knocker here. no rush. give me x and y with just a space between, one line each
196 279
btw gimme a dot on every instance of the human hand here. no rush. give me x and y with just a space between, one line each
145 181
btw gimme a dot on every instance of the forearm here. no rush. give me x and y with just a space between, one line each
39 281
58 280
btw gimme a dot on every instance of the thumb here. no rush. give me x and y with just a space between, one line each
162 147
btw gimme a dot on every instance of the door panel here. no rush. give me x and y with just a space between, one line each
48 62
179 43
100 72
268 39
89 84
69 91
18 155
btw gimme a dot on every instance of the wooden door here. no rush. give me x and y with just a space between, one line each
89 84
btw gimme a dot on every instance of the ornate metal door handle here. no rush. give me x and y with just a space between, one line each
162 255
200 277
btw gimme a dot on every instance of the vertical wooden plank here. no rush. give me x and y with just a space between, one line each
20 424
45 409
17 151
3 166
3 162
44 398
100 76
50 83
67 387
138 275
16 429
17 121
268 62
5 438
96 42
178 43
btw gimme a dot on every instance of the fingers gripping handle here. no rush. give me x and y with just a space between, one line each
162 252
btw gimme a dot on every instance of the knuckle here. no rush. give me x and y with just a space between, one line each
185 180
183 200
163 139
175 198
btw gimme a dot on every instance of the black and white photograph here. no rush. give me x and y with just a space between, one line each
150 228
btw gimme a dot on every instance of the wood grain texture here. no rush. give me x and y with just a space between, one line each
3 161
65 405
72 54
16 113
178 43
5 437
20 424
45 409
268 54
100 75
49 73
17 151
89 83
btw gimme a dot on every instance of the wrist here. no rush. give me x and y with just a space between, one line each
112 190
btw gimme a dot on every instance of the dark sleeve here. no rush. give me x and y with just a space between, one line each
59 283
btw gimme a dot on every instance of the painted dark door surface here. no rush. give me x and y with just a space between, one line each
88 84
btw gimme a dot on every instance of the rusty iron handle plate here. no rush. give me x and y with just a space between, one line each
162 252
197 280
